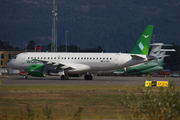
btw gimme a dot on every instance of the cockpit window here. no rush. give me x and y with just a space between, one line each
15 57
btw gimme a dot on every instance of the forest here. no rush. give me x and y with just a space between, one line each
114 25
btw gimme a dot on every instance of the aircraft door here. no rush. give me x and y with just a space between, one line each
116 59
23 58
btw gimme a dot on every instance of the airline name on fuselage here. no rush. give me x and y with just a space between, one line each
33 61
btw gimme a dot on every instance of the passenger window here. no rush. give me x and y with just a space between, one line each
84 58
28 57
62 58
103 58
44 57
38 58
81 58
54 57
31 57
34 57
68 57
75 58
93 58
58 57
65 58
107 58
41 57
96 58
51 57
72 58
48 57
78 58
87 58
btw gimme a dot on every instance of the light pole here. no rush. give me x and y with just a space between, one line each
66 38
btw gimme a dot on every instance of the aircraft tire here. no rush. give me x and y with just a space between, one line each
25 76
64 77
88 77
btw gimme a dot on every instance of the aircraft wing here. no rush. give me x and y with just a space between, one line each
65 66
58 64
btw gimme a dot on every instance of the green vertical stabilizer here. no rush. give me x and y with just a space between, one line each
143 43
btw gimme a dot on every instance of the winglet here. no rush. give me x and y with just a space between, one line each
143 43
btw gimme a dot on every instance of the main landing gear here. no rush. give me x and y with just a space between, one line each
88 77
64 77
25 76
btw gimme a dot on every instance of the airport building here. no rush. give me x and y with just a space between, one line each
6 56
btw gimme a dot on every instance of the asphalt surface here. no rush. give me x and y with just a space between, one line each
9 80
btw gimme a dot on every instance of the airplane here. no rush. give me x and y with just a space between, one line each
156 68
155 51
132 70
41 64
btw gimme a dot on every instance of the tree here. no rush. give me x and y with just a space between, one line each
31 45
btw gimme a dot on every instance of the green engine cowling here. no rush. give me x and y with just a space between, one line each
37 70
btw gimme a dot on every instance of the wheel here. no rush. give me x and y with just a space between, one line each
88 77
25 76
67 77
64 77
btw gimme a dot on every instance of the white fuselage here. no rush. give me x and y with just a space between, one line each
80 62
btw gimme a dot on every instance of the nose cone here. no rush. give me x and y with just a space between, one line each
9 64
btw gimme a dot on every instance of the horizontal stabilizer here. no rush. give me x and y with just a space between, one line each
137 57
162 56
160 44
165 50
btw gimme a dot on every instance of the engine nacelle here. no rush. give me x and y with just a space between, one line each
37 70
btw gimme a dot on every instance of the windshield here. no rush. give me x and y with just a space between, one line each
15 57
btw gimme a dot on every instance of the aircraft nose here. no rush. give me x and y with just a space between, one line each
9 63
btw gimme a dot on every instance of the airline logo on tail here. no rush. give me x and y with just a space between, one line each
141 46
143 43
146 36
155 52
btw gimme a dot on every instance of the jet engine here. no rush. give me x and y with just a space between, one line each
37 70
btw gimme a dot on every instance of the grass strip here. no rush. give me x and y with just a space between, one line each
75 88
